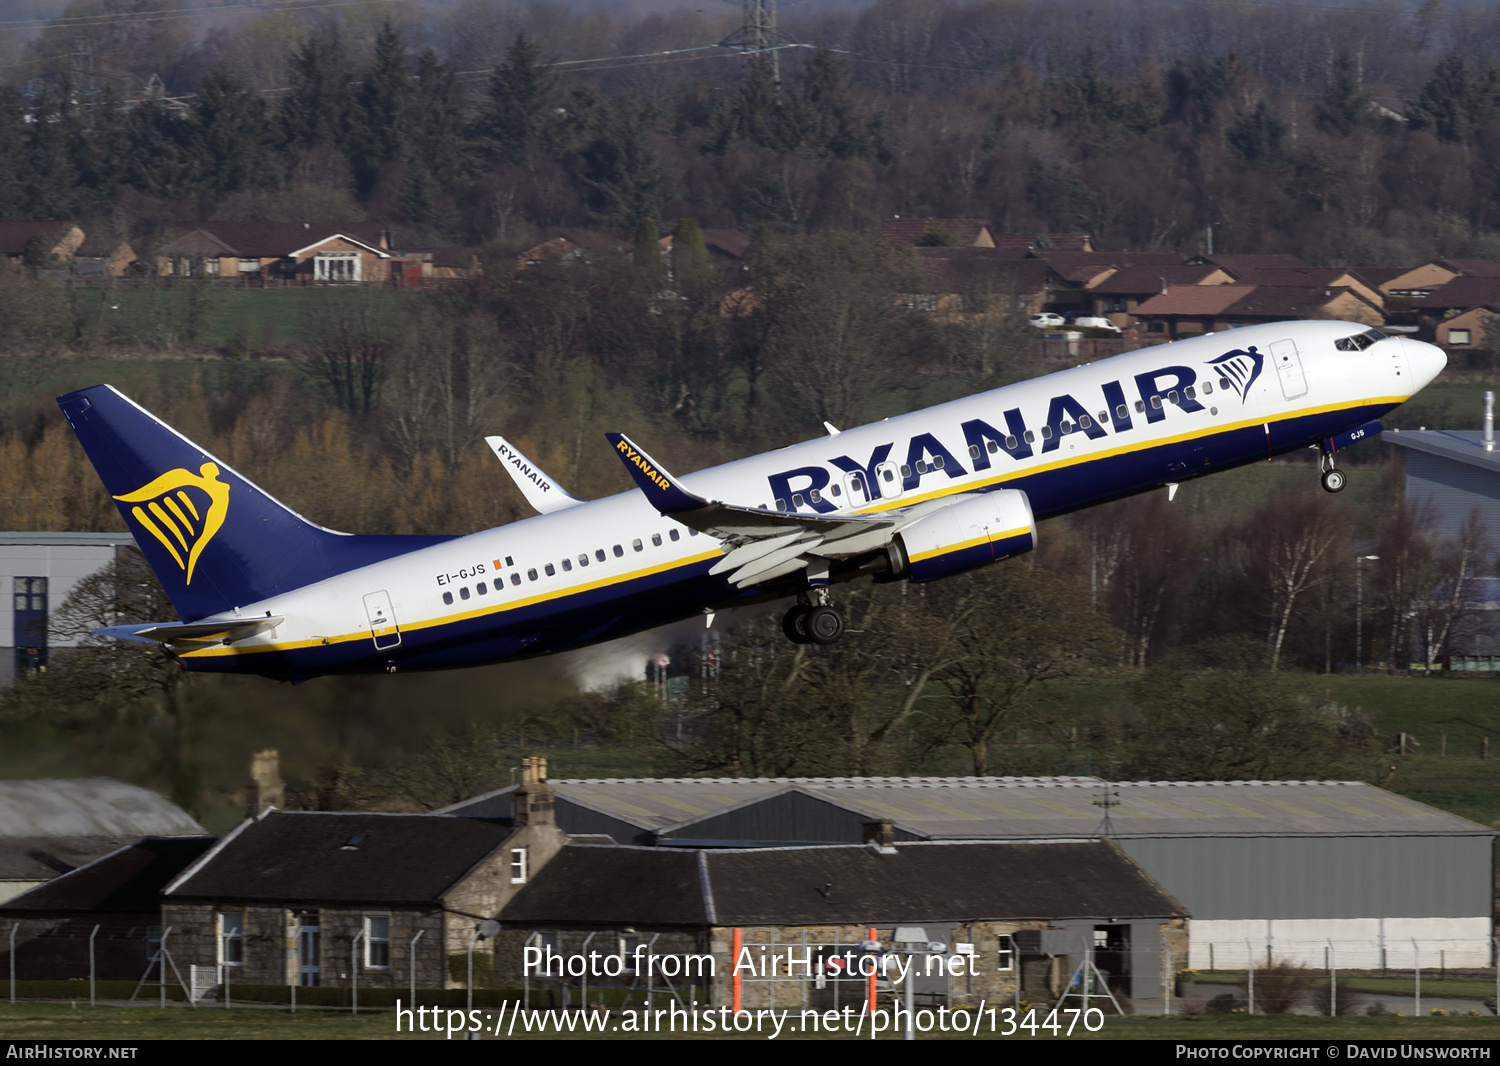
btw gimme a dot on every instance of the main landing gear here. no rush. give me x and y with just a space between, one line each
815 622
1333 480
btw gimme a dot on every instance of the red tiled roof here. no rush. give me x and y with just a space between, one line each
963 232
729 241
1286 301
1139 280
1194 300
1236 263
14 235
987 269
1461 292
1472 268
1378 276
266 240
1054 242
1289 276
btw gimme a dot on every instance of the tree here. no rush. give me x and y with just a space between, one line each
1256 137
1015 628
316 111
1457 100
1344 106
351 347
383 116
520 92
1454 598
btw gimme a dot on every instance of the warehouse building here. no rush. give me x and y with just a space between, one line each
1276 870
37 572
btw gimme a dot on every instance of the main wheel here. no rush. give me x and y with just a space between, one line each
825 625
1334 480
794 624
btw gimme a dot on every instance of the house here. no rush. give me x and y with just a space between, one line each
51 827
110 907
1021 244
1191 310
1291 865
1473 328
1002 913
1117 296
1239 264
1461 296
938 232
355 890
40 243
1311 277
284 251
1419 281
970 281
1073 275
100 256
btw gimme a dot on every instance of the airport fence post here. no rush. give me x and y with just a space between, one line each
354 971
1416 968
1249 978
1333 982
585 953
14 927
91 965
411 965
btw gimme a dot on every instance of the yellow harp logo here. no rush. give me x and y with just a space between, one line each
182 510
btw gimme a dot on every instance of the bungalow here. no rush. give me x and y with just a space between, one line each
276 250
40 243
970 281
1118 295
938 232
1192 310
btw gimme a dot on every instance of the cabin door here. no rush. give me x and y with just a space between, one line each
382 620
1289 369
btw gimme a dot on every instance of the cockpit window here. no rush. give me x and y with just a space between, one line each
1360 341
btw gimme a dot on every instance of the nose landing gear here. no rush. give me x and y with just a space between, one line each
1333 480
815 622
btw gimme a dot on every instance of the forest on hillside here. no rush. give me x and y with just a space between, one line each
1349 134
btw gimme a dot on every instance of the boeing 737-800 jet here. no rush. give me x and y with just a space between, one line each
917 497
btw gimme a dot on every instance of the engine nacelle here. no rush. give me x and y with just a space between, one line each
969 533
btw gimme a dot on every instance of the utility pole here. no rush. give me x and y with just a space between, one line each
758 34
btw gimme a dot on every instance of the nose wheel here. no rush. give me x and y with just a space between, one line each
1333 480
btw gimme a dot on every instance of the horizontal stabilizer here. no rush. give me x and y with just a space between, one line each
540 491
223 631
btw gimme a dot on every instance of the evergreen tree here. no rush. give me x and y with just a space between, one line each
382 112
12 153
521 89
1456 101
689 253
1256 137
231 135
648 249
317 110
1084 97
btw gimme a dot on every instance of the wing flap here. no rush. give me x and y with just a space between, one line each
222 631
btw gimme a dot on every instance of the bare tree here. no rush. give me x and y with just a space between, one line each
351 347
1452 600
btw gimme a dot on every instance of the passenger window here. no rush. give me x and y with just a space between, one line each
1190 392
1103 417
937 462
781 505
1010 442
447 597
583 559
1065 428
482 589
599 554
815 496
1156 403
692 532
567 564
834 489
619 551
1223 383
1084 422
1172 397
1030 437
889 476
922 466
551 570
636 544
515 579
656 540
797 500
531 575
1046 433
905 470
672 533
1140 405
974 451
1122 412
463 593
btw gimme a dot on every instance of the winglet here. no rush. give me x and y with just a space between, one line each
540 491
665 494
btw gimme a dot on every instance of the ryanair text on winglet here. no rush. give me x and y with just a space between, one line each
646 468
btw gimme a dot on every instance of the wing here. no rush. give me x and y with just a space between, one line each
540 490
223 631
760 544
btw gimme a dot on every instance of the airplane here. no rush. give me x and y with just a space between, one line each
918 497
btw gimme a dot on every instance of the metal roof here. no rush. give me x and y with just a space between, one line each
53 540
1021 808
89 807
1462 445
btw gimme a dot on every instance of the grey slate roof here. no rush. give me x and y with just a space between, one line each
843 884
314 856
89 807
128 880
1461 445
1017 808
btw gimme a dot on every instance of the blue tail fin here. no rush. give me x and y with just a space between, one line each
215 540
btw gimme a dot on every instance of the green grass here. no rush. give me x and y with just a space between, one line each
1475 988
45 1021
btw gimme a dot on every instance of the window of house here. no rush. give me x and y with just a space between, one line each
378 941
517 866
232 938
1458 336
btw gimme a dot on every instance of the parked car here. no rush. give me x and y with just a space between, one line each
1086 322
1045 320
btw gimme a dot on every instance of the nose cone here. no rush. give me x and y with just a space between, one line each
1426 362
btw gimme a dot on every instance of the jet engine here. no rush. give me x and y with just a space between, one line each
969 532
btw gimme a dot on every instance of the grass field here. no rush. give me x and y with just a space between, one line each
46 1021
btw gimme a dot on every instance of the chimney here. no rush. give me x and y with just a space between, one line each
880 832
1489 421
265 789
532 801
